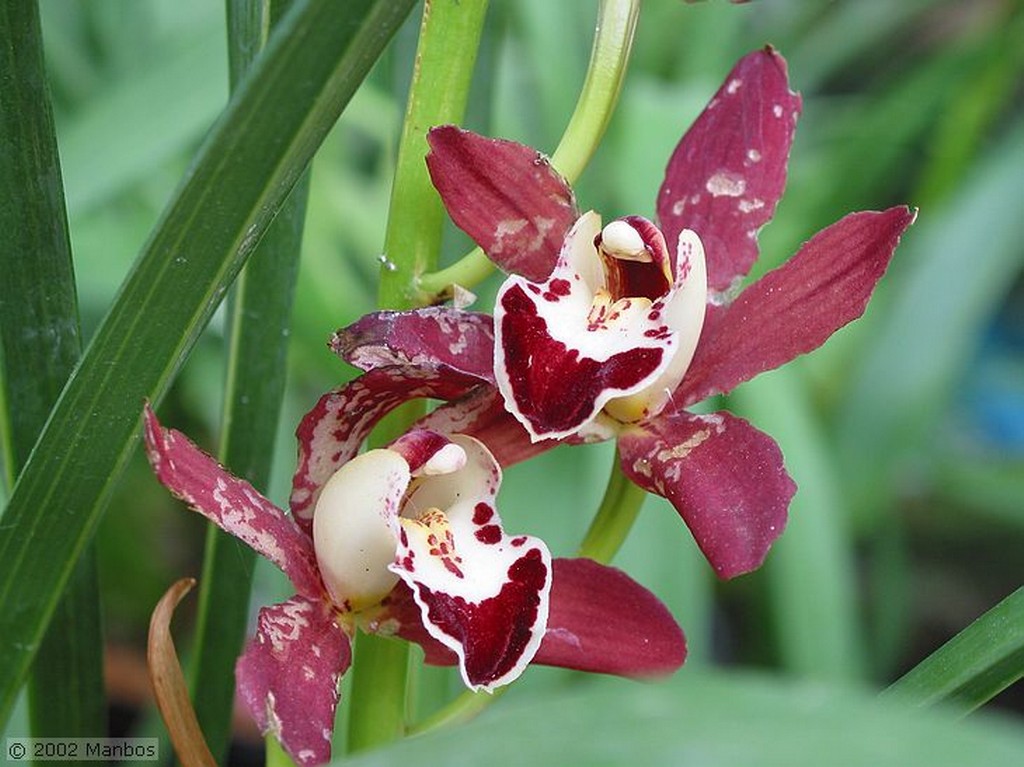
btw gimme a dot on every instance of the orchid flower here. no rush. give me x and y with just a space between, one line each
605 331
407 541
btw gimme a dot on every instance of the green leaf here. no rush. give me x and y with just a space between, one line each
709 719
258 330
975 665
246 167
39 346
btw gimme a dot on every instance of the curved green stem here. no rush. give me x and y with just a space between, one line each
615 516
445 57
463 709
613 41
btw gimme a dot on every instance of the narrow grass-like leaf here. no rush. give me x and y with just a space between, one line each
811 570
975 665
39 346
245 169
258 321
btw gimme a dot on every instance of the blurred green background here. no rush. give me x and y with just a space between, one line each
905 433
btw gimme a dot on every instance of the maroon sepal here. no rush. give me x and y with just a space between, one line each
796 307
504 195
728 172
288 676
724 477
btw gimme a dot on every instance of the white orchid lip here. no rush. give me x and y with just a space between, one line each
423 510
354 534
613 328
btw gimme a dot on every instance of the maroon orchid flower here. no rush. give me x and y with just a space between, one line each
405 541
613 331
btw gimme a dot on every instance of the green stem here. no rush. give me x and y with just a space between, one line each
975 665
615 516
445 57
613 40
463 709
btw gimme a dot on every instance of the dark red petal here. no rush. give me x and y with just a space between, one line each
462 340
400 616
231 503
795 308
724 477
601 620
331 433
288 676
727 173
504 195
482 414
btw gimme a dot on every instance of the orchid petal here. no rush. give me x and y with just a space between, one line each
724 477
727 174
331 433
482 593
231 503
288 676
603 621
795 308
355 528
559 359
504 195
461 340
482 414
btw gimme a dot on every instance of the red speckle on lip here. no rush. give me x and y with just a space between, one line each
560 287
490 534
482 514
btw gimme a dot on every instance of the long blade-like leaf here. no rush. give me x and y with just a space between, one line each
975 665
245 169
40 343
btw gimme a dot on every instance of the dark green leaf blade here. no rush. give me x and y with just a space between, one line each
40 344
975 665
245 169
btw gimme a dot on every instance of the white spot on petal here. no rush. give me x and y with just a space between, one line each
734 85
777 110
746 206
753 155
726 184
